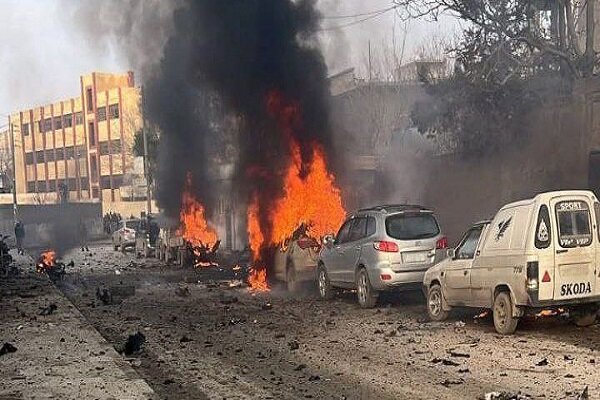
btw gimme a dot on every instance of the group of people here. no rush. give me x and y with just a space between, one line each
111 221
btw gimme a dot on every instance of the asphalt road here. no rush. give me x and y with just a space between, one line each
207 336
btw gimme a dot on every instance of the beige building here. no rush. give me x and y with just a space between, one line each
81 146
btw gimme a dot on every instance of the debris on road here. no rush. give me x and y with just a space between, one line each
293 345
134 343
505 396
182 291
7 348
542 363
48 310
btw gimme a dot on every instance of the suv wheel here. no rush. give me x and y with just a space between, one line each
290 279
434 304
504 322
367 296
326 292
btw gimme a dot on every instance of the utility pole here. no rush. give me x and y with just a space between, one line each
14 169
146 168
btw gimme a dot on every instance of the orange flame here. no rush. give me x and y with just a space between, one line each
46 261
194 227
310 195
257 280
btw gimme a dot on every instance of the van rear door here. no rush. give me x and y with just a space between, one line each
574 258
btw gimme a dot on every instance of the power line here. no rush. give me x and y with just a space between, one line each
359 21
358 15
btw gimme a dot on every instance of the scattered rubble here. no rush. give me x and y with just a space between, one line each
505 396
134 343
7 348
48 310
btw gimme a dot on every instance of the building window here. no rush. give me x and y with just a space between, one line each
105 182
39 155
79 118
29 158
49 155
60 154
81 151
47 125
115 146
103 148
30 187
113 111
67 121
92 134
117 181
85 184
25 129
69 153
95 193
90 99
94 168
52 186
57 122
42 186
101 113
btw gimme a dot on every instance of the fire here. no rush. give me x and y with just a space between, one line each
194 227
46 261
310 196
257 280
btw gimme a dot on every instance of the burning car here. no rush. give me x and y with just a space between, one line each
125 235
296 261
381 248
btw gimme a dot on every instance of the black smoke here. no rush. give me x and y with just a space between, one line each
234 53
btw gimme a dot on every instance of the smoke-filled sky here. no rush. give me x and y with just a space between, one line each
47 44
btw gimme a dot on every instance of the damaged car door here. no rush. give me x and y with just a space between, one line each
457 275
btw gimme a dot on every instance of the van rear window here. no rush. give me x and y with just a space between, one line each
411 226
573 223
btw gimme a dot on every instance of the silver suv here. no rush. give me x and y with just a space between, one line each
378 249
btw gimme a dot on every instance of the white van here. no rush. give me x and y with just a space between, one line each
535 254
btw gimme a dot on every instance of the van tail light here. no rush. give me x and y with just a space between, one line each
532 276
442 243
385 246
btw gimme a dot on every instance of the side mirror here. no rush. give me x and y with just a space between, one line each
451 253
328 240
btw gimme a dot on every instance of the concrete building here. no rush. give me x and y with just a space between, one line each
80 147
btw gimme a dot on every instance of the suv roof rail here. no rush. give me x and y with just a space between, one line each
395 207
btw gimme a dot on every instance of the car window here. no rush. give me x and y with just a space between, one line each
573 219
468 246
371 226
543 230
342 235
411 226
358 229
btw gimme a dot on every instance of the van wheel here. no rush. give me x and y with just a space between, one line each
291 279
367 296
434 304
584 316
504 322
326 291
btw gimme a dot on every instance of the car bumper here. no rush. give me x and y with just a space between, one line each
402 280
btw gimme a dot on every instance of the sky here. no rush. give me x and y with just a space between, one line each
45 50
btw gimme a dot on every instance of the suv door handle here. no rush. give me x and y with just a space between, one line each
561 251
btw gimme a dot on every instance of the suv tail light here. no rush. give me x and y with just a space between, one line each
532 276
442 243
388 247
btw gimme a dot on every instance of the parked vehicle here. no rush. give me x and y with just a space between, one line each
296 262
379 249
535 254
124 236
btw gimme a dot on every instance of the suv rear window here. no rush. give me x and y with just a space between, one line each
411 226
573 223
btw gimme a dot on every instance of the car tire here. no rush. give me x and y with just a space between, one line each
326 291
504 322
435 304
367 296
584 316
291 280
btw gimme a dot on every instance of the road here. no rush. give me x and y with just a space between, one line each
207 336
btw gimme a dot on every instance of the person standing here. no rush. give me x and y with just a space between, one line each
19 236
83 235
